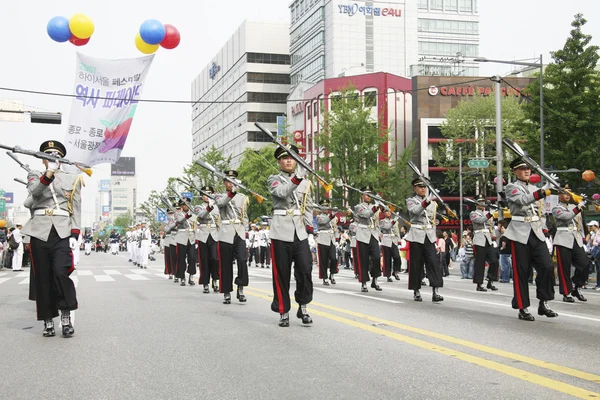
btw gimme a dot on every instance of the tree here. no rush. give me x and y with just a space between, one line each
353 144
123 221
200 176
396 184
571 105
471 126
255 168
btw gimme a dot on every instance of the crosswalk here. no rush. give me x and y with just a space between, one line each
91 275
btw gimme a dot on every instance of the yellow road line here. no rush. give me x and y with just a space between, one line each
493 365
475 346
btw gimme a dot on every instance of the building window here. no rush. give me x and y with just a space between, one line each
263 58
370 99
308 112
258 136
314 19
446 26
259 77
259 97
450 5
448 49
263 117
466 5
423 4
436 5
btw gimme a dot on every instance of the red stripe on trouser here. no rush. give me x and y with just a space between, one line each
354 258
516 276
278 292
220 266
359 263
199 262
70 270
561 270
319 261
165 258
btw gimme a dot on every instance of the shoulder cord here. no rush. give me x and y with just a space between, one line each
305 197
70 204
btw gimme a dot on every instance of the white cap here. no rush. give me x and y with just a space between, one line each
593 223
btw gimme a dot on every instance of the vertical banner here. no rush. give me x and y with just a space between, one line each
107 94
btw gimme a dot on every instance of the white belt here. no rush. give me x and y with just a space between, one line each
424 227
525 219
366 226
231 222
388 235
565 228
287 212
52 212
481 231
207 225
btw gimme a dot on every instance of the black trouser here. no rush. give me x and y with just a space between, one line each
346 259
167 253
268 254
253 255
282 256
52 264
262 254
327 260
173 258
208 260
227 253
368 252
423 253
355 260
391 259
525 256
185 252
482 254
577 257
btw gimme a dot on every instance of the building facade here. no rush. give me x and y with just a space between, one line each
123 189
247 81
333 38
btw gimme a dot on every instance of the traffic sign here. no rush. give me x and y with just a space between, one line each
478 163
161 216
188 195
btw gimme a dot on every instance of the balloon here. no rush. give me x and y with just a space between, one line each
503 180
152 31
588 175
3 222
535 178
58 29
143 46
172 37
77 41
81 26
596 196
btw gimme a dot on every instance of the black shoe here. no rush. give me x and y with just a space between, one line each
525 316
262 266
543 309
67 327
481 288
436 298
215 286
145 267
325 282
176 280
205 290
491 286
303 315
423 283
417 296
568 299
396 276
363 288
577 293
170 276
129 260
332 279
49 328
240 294
375 286
191 282
182 282
284 320
389 279
227 299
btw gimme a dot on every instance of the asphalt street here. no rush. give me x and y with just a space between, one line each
140 336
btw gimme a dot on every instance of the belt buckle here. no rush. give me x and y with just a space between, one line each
289 212
49 212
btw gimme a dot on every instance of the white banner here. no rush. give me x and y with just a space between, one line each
101 115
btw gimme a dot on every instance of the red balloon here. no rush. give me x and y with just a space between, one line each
172 37
535 178
78 42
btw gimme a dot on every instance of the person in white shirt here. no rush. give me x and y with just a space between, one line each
144 250
17 260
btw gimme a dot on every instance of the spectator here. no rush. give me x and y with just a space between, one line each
450 245
593 241
17 261
469 260
505 257
440 247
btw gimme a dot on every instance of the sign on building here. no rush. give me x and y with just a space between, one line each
125 166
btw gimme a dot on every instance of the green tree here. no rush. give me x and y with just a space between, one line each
123 221
571 105
200 176
255 168
353 144
396 184
471 126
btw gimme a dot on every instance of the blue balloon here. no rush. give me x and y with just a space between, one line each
152 31
58 29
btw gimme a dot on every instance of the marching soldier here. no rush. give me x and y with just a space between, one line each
421 236
352 233
568 243
88 239
291 224
253 243
263 241
54 229
528 242
207 239
185 242
327 256
232 245
145 240
114 242
367 236
389 245
483 246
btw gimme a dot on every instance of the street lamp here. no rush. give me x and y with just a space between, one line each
539 65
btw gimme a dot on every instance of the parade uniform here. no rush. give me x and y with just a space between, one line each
367 236
207 239
54 229
352 233
129 240
263 246
483 247
232 245
327 256
568 244
528 246
145 240
253 245
421 238
167 243
389 245
88 239
185 249
290 227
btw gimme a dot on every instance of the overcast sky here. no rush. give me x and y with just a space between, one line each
160 137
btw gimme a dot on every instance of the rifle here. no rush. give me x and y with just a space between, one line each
21 181
432 190
393 207
21 164
301 161
45 156
487 203
193 187
221 175
166 201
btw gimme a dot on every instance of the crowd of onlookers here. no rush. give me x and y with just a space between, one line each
14 252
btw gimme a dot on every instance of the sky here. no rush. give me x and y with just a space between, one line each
160 137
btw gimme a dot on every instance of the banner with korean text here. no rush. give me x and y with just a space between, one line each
107 94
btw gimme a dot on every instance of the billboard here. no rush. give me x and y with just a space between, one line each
9 197
104 185
161 216
105 211
125 166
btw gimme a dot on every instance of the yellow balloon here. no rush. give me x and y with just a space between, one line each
143 46
81 26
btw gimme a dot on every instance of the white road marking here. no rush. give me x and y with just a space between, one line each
136 277
336 291
24 274
84 273
2 280
24 281
103 278
111 272
140 271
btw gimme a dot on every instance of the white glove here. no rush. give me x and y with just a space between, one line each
547 186
52 166
301 172
72 243
431 197
554 177
211 202
581 204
